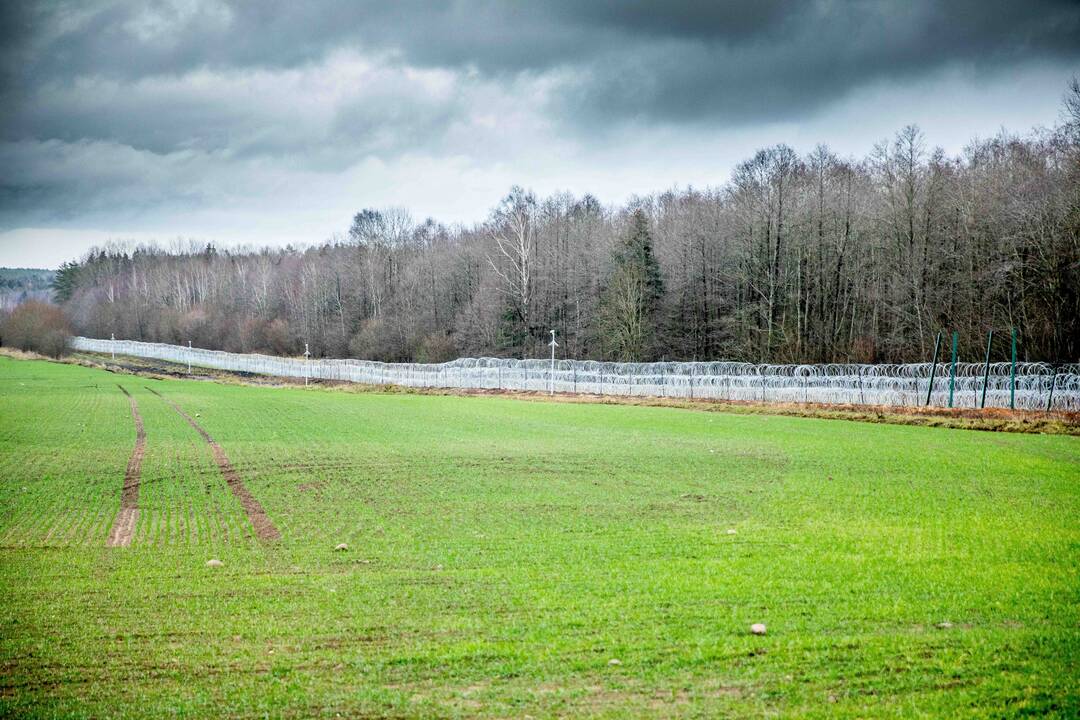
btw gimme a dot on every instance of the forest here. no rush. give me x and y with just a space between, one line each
20 285
795 259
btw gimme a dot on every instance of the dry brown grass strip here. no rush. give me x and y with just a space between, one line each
1055 422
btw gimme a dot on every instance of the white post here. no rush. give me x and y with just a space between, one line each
551 381
307 364
189 357
112 345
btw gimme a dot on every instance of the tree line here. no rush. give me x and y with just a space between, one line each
20 285
797 258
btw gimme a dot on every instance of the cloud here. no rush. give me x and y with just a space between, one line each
679 59
191 109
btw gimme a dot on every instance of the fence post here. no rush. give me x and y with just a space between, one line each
691 382
952 366
1012 374
551 379
986 368
189 357
112 345
933 368
1053 379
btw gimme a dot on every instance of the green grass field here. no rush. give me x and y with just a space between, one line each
502 553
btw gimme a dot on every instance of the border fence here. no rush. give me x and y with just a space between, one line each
1030 386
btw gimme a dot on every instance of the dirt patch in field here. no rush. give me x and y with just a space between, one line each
315 488
264 527
123 528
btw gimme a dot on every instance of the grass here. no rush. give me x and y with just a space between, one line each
502 553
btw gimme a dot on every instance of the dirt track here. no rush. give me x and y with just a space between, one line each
265 530
123 528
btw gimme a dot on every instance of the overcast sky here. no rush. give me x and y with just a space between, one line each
271 122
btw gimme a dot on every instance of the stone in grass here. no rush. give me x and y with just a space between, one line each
732 531
614 661
214 562
944 625
340 547
758 628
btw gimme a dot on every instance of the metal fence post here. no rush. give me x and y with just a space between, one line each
986 368
1053 379
952 366
933 368
551 380
1012 374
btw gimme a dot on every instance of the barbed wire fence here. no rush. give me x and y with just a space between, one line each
1029 386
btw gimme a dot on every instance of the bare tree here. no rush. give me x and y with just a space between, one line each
513 236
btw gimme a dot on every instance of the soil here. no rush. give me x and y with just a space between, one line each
123 528
265 530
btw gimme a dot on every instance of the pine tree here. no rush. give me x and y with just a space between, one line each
632 297
65 281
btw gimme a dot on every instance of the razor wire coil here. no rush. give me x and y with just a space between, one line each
897 384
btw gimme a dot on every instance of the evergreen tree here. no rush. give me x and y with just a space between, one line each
65 282
631 302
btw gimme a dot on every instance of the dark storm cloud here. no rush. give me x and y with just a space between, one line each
695 60
706 64
117 102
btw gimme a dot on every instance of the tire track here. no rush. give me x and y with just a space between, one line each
123 528
264 527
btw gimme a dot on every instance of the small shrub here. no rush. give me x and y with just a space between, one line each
36 327
436 348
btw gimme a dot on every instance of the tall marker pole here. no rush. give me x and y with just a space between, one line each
986 368
551 380
933 367
307 364
1012 374
189 357
952 366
